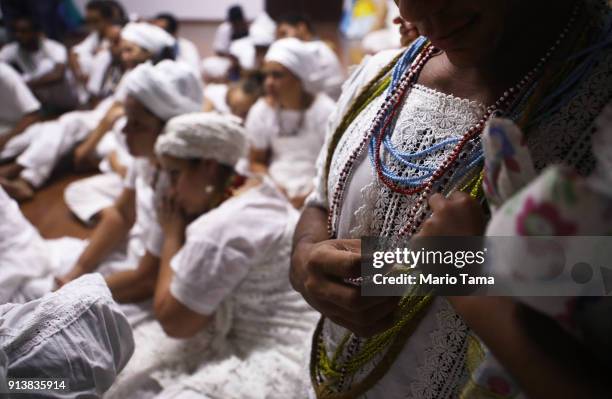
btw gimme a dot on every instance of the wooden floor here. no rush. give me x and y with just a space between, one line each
48 211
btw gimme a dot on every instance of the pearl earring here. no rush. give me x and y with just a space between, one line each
209 189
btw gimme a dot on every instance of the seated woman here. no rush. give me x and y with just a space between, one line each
46 143
287 127
154 95
77 334
222 279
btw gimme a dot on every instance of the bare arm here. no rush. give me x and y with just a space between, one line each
135 285
113 228
86 149
177 320
56 75
260 159
73 61
24 123
555 367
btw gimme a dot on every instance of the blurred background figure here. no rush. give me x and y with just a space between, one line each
43 64
185 50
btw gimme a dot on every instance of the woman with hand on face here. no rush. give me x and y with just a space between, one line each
286 128
222 291
155 94
408 126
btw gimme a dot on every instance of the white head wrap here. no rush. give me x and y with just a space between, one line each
216 67
263 30
150 37
168 89
204 136
301 59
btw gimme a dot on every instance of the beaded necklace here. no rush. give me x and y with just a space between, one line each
326 372
405 75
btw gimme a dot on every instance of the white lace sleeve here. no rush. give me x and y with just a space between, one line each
77 333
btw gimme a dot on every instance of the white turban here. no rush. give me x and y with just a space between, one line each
168 89
204 136
263 30
301 59
216 67
150 37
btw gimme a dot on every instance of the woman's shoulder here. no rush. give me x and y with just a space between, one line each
245 215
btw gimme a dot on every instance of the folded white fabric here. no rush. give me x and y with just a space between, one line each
204 136
148 36
77 333
167 89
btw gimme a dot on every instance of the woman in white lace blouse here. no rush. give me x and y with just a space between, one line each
407 126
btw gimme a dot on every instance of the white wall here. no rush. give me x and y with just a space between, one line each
206 10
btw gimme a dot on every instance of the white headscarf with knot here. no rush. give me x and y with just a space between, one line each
204 136
150 37
301 59
167 89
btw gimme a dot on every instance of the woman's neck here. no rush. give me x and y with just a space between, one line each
517 54
299 102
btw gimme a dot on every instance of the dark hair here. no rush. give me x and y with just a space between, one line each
294 19
119 15
171 21
34 24
251 85
167 53
235 14
105 8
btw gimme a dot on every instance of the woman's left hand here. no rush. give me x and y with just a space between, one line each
171 217
457 215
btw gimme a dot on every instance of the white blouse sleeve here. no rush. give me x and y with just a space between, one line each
205 273
77 333
258 127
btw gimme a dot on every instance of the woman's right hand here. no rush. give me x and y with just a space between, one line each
318 272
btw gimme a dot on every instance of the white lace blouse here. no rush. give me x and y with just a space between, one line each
431 363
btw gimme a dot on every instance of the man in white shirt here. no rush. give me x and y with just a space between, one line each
185 50
42 63
98 16
236 27
19 110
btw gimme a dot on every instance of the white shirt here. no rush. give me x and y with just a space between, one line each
217 94
188 54
223 38
224 244
87 50
22 101
293 156
38 63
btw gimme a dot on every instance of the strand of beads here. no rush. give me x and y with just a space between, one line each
417 184
391 101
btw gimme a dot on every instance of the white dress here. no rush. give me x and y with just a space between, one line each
294 138
63 253
23 253
431 363
22 102
188 54
87 197
33 65
234 265
77 333
44 144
